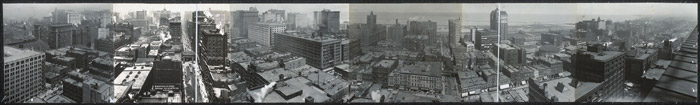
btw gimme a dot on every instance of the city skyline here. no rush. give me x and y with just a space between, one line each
350 53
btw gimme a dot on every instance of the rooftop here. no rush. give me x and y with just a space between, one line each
12 54
307 91
240 57
677 86
605 55
134 76
385 63
653 74
273 75
421 68
585 87
549 48
309 37
327 82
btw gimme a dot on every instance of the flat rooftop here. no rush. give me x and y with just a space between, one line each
653 74
421 68
385 63
309 37
605 55
12 54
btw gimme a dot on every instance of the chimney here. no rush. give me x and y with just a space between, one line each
308 99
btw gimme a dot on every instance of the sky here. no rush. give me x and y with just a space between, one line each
307 9
408 7
38 10
572 12
124 9
589 8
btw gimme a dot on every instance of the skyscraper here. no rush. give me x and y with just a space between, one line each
273 16
21 73
503 22
141 14
295 20
61 35
212 42
396 32
428 28
241 20
327 21
371 18
292 21
262 33
454 31
59 16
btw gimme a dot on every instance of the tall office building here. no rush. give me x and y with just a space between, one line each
510 54
599 66
320 52
141 14
483 39
371 19
22 68
295 20
428 28
396 32
175 29
241 20
212 42
212 46
262 33
292 21
501 20
59 16
61 35
327 21
454 31
74 17
591 30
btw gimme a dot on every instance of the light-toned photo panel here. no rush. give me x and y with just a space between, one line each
155 58
349 52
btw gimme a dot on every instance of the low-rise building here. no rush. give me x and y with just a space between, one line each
417 75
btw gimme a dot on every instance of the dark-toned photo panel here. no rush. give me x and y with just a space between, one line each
350 53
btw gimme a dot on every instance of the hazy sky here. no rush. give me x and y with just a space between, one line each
124 9
683 9
307 9
38 10
572 12
408 7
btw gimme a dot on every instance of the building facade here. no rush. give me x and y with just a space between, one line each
327 20
499 18
417 75
21 72
512 55
599 66
241 20
319 52
454 31
262 33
